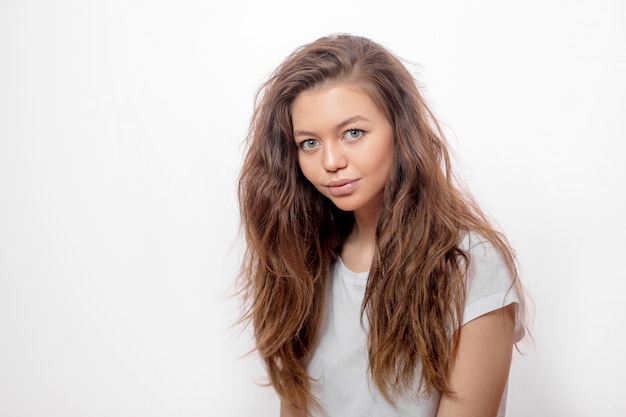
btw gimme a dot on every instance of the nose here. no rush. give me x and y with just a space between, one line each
333 157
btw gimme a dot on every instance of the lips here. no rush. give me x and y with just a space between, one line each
342 187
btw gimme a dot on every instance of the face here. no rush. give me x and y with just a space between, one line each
345 145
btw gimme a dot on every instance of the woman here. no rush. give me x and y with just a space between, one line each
374 284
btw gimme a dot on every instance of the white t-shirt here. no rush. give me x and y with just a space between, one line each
338 365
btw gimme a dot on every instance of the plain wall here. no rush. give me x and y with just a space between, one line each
121 125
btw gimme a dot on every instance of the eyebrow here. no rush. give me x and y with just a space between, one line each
340 126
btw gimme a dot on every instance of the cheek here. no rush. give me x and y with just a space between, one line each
305 167
384 156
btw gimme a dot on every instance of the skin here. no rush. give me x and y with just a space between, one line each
342 135
481 368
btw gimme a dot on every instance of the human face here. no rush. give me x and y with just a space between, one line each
345 145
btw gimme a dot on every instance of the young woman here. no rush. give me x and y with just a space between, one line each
375 286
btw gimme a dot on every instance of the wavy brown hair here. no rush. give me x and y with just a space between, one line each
415 291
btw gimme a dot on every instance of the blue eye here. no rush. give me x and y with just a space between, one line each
308 144
353 133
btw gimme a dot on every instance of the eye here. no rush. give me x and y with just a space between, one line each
353 134
308 144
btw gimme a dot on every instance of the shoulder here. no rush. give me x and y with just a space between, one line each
470 240
490 281
486 261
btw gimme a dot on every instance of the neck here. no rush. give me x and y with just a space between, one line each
364 229
358 248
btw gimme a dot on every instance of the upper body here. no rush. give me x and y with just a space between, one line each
338 365
347 176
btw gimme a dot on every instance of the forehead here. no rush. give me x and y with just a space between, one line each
329 105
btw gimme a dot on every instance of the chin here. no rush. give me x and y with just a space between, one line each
345 205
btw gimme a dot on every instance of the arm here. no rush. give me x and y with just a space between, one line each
287 411
481 367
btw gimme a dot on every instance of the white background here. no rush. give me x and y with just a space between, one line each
120 143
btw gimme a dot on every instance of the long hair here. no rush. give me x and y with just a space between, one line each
415 291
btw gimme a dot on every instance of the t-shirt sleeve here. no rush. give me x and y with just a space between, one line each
489 284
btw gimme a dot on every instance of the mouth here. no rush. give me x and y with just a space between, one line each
340 183
342 187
